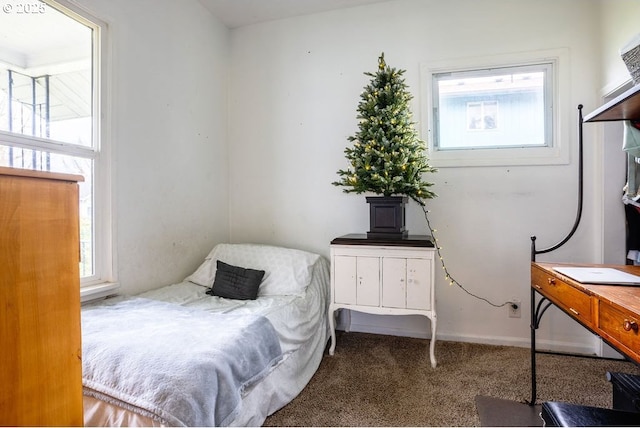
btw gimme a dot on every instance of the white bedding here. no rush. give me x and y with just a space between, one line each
282 311
299 320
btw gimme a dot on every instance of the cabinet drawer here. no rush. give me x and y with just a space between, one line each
619 326
573 301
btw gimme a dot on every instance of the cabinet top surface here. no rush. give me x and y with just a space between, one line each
19 172
361 239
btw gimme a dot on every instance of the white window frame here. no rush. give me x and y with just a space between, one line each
103 282
557 152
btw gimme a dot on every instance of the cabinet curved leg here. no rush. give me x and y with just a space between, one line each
332 329
432 345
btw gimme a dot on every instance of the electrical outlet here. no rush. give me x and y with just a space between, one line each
515 312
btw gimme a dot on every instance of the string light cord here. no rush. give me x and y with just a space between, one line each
448 277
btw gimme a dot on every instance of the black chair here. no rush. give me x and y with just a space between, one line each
625 412
626 391
559 414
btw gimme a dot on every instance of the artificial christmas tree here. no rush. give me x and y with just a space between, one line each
387 157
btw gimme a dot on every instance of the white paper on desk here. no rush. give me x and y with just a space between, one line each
598 275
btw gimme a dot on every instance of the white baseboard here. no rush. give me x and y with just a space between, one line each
541 345
364 323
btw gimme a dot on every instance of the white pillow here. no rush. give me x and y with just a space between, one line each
287 271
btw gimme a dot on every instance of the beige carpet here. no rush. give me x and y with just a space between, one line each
375 380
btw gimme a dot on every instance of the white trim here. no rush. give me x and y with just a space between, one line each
558 153
104 218
541 345
99 291
48 145
105 277
606 351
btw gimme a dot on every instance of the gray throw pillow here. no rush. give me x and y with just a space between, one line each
234 282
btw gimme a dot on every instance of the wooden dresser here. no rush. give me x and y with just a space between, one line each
40 341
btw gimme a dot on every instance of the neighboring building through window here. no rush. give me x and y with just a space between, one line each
482 115
51 115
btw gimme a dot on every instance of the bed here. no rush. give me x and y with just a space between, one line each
177 356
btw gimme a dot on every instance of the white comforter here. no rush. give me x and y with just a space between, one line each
180 366
295 317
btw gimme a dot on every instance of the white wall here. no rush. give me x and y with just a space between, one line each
619 23
294 90
168 95
182 182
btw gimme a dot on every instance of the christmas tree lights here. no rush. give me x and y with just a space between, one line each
387 157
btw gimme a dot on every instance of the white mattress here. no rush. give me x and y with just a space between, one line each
300 321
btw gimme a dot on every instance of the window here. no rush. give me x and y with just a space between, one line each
502 113
52 114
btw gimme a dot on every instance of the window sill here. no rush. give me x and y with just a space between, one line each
524 156
98 291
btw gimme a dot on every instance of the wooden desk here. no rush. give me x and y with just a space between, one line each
610 311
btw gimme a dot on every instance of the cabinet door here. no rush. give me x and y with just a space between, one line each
419 284
368 281
394 282
344 281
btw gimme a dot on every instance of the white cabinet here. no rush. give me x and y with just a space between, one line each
392 277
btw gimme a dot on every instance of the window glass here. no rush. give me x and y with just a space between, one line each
45 75
493 108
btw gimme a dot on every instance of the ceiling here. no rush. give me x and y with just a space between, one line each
238 13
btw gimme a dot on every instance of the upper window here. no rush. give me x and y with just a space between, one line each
498 114
50 110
